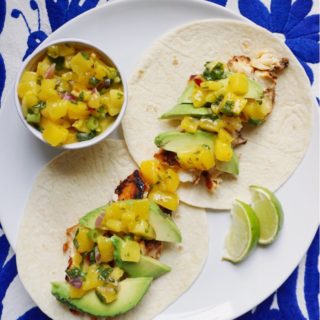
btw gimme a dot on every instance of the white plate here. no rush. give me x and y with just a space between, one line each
223 291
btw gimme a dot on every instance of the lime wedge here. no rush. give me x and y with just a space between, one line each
243 234
269 212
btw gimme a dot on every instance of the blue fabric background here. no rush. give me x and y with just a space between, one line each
301 32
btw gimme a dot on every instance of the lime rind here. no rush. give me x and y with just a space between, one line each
243 234
260 194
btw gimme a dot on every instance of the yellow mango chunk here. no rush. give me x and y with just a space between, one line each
211 85
82 241
47 90
143 229
113 225
30 86
254 110
116 274
211 125
225 136
77 110
94 101
130 251
198 97
150 170
115 101
76 259
223 151
107 293
76 293
100 69
165 199
29 100
28 76
92 278
201 159
56 109
169 180
189 124
238 83
106 249
72 138
81 63
53 133
43 66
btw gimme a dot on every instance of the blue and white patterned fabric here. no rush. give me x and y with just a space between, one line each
295 21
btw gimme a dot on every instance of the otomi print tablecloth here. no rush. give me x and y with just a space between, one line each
24 24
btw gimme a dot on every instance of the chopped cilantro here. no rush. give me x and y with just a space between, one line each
227 109
85 54
59 61
215 73
75 273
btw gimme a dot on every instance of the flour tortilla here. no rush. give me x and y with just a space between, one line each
67 188
273 150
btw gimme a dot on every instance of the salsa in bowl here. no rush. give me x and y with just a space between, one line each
70 94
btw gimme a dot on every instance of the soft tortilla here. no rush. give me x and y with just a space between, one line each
67 188
273 150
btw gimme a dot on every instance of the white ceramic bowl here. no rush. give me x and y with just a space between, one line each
35 57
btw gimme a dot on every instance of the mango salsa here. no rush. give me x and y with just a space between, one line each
70 83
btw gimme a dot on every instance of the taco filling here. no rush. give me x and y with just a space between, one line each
115 250
212 112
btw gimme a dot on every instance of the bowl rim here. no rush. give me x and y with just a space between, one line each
81 144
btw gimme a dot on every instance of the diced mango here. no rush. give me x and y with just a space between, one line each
116 274
225 136
238 84
130 251
29 100
107 293
115 102
143 229
255 111
201 159
106 249
72 138
81 63
47 90
189 124
57 109
53 133
65 50
76 293
100 69
211 85
165 199
43 66
169 180
24 87
29 76
198 97
92 278
150 170
82 241
94 101
76 259
211 125
81 125
77 110
66 76
223 151
113 225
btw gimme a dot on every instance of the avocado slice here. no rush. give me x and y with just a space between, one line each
255 90
163 225
180 142
186 96
131 291
146 267
231 166
89 220
184 109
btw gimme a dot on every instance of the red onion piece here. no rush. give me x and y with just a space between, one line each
76 282
99 220
50 72
69 96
